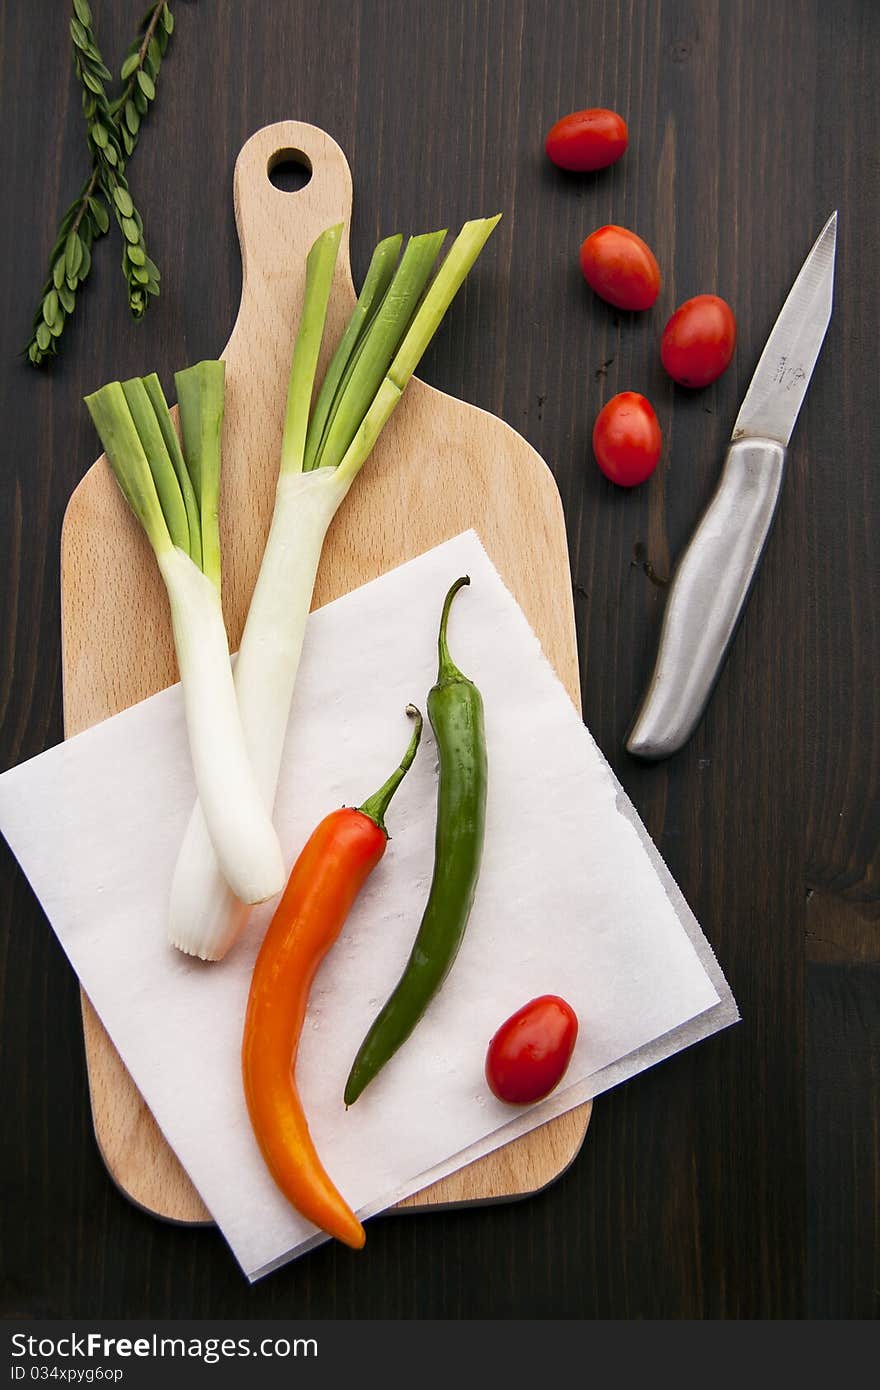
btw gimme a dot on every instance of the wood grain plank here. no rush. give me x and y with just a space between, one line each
843 1105
842 930
842 482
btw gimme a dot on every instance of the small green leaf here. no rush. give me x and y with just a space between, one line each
167 20
137 255
141 102
99 135
72 282
78 34
154 53
73 254
122 199
138 273
50 307
146 85
58 272
152 268
56 327
130 230
82 12
68 298
92 83
128 140
111 156
162 39
43 336
132 119
63 230
100 214
86 265
129 66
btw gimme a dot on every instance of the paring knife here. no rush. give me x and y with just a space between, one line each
715 573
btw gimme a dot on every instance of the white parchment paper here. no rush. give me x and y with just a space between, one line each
573 899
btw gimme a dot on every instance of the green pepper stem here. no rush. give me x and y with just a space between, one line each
376 805
448 670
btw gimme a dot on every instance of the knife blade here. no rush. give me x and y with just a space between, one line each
715 573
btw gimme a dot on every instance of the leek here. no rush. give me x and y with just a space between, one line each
173 494
323 449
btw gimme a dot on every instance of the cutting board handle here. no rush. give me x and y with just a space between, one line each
276 229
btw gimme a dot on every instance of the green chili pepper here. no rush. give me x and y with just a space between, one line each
455 709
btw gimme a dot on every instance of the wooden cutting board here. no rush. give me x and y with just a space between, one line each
439 468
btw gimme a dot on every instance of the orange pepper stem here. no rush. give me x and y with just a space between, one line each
376 805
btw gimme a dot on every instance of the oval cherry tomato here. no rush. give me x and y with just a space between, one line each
587 140
531 1051
627 439
621 268
698 340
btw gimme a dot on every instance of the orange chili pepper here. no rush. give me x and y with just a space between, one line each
323 884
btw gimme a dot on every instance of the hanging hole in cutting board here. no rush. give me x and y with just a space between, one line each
289 170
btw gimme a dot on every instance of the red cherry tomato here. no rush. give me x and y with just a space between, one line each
627 439
621 268
531 1051
587 140
698 340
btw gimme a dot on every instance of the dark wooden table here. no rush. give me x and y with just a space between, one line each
740 1179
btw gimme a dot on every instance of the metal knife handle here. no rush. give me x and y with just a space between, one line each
707 597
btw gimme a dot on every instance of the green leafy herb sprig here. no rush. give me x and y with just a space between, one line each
112 130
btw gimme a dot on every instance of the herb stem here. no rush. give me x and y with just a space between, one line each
128 90
150 30
83 200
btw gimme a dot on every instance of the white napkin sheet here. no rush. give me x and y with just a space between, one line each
573 899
